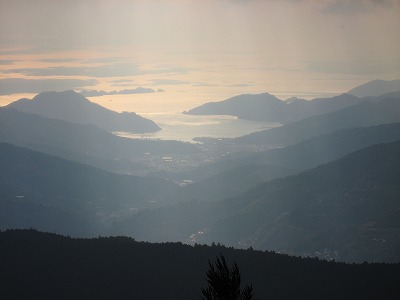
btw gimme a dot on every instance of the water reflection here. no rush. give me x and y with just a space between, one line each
181 127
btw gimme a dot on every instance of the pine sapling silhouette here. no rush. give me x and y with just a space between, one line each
224 282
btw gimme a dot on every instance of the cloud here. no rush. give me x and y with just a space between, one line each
203 84
9 86
170 82
241 85
103 71
109 59
112 70
27 50
355 67
138 90
96 93
180 82
56 60
6 62
127 84
352 6
121 81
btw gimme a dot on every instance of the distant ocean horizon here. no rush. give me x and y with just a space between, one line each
183 127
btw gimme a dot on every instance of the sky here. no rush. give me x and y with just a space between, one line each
190 52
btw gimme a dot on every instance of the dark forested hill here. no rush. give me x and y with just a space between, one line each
346 209
49 184
73 107
367 113
38 265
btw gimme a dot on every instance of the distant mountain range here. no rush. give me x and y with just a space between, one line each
232 176
266 107
52 194
325 183
138 90
255 107
346 209
374 111
230 181
375 88
73 107
83 143
334 208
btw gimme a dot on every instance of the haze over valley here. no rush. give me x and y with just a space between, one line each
198 184
144 141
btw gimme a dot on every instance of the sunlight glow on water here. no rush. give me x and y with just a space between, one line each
181 127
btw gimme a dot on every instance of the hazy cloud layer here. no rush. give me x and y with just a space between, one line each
115 70
169 82
59 60
353 6
138 90
109 70
6 62
278 45
354 67
240 85
121 81
10 86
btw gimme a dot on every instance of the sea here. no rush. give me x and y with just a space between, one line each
184 127
167 112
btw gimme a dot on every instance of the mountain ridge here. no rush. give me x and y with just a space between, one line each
87 144
366 113
375 88
298 157
73 107
346 194
94 195
266 107
324 211
48 266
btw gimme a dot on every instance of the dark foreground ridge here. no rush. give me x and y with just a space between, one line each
36 265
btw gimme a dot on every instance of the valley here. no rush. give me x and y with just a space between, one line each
240 192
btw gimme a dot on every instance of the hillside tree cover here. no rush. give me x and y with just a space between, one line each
224 282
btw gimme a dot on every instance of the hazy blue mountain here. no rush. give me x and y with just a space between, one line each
39 265
328 147
255 107
48 183
319 106
375 88
337 209
296 100
233 182
366 113
96 93
266 107
346 209
232 176
84 143
303 155
73 107
20 212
